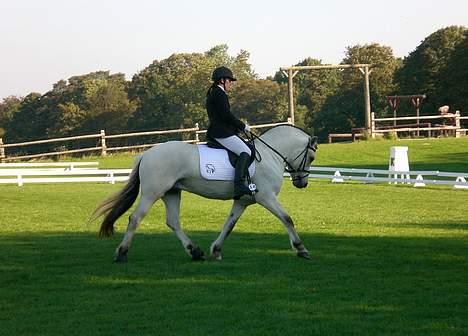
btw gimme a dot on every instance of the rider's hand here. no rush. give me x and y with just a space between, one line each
247 128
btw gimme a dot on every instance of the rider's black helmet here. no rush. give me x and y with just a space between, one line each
222 72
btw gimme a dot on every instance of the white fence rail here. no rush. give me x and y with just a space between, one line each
417 178
82 175
334 174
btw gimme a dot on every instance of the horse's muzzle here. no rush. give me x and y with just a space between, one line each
300 183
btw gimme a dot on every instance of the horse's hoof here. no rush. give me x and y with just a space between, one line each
216 253
304 255
216 256
121 256
197 254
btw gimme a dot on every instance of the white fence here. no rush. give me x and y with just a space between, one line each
62 172
417 178
21 173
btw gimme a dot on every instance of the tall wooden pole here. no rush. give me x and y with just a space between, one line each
367 100
291 95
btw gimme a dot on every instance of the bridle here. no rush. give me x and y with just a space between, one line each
301 172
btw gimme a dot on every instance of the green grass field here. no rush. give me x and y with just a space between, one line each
386 260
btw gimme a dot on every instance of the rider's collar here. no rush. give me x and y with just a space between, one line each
221 87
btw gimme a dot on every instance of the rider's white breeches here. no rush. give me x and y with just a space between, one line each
234 144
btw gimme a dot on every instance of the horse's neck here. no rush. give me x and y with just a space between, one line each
286 140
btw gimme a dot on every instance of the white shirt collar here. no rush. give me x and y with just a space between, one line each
222 88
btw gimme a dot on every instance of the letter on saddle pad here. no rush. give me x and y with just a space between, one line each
215 164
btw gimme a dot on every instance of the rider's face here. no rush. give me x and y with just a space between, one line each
227 84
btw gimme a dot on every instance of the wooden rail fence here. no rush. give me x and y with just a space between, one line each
102 140
450 124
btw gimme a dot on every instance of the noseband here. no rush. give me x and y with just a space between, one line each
289 168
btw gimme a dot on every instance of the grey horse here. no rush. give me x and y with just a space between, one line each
166 169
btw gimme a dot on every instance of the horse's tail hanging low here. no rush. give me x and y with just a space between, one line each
116 205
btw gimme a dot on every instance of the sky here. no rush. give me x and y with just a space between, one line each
44 41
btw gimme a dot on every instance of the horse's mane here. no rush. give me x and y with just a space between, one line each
285 125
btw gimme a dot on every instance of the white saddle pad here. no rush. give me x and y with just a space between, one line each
215 165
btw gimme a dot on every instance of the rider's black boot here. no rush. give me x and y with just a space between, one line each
240 188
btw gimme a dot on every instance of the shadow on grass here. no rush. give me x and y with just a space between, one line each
61 283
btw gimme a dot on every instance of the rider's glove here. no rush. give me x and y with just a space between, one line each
247 128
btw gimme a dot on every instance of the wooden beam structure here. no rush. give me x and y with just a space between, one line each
365 69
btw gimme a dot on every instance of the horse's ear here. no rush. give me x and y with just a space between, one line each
313 142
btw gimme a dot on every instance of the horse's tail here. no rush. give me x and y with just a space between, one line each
116 205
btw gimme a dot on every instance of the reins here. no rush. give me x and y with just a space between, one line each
289 168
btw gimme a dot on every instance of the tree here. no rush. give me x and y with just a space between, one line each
452 89
108 105
8 107
260 101
89 103
382 81
30 121
424 68
344 109
171 93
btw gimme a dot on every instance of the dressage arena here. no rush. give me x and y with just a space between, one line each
386 259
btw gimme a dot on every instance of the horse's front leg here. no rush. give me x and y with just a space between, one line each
236 211
271 203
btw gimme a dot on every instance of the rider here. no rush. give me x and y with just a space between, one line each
224 127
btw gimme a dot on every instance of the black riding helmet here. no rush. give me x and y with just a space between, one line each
222 72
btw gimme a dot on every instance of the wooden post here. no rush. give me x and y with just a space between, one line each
367 100
417 116
372 133
197 139
2 151
103 143
291 95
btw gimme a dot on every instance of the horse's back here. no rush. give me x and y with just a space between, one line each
170 161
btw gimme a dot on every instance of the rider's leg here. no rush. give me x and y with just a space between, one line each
237 146
234 144
242 165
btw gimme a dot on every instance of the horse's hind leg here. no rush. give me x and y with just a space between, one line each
133 221
172 202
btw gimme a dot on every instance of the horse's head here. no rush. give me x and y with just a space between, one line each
300 166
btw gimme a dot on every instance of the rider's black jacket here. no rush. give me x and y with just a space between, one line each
223 123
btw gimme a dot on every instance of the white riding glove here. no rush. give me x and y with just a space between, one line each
247 128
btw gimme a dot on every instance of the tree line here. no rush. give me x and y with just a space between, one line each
170 93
